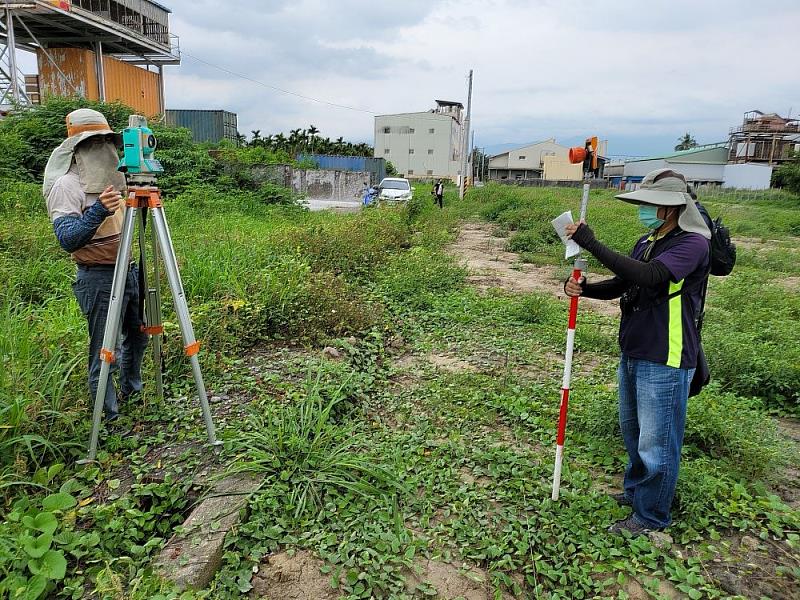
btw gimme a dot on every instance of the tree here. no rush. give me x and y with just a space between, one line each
787 176
686 142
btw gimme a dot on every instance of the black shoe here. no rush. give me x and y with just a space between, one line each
631 526
622 499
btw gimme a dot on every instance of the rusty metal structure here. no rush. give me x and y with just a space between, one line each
764 138
99 49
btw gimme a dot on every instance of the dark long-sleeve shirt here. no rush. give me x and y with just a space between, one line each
74 232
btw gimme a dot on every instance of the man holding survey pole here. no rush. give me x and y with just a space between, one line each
659 286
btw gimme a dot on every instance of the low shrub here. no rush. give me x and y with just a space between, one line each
725 426
413 279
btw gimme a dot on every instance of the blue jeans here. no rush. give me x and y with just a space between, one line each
652 415
92 288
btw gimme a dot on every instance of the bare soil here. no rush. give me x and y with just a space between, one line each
755 568
492 266
451 581
297 576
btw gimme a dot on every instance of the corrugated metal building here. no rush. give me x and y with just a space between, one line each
206 125
108 50
704 165
134 86
540 160
376 167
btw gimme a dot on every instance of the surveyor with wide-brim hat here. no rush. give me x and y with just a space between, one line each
659 285
83 190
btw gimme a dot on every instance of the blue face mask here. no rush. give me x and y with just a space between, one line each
648 215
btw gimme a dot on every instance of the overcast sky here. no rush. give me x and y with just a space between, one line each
638 73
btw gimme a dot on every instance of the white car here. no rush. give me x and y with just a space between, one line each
395 189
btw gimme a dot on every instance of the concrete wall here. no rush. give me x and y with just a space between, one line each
414 150
560 169
319 184
316 184
747 176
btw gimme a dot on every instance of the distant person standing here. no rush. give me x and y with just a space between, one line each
438 193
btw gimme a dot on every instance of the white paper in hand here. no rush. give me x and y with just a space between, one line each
559 224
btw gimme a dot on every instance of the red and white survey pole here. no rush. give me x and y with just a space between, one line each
578 269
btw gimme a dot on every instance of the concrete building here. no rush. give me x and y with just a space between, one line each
540 160
704 165
423 144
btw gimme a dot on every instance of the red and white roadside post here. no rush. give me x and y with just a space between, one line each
577 271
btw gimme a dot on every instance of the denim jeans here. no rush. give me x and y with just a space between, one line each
652 415
92 288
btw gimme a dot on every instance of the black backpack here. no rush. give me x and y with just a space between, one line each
723 258
723 250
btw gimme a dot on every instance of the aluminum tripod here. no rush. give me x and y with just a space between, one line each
147 197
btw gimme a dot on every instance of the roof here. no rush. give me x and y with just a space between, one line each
449 103
510 150
713 150
161 6
426 113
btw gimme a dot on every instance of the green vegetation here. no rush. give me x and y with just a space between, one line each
427 440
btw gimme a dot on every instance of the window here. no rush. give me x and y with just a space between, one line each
430 150
386 151
411 151
410 130
521 157
430 130
411 171
387 130
430 171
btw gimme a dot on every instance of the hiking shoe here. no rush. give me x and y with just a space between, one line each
622 499
631 526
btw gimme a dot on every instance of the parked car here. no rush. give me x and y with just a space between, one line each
395 189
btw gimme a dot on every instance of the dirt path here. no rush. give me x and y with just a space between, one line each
492 266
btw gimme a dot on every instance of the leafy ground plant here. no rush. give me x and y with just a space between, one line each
304 453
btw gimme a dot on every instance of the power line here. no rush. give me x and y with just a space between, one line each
278 89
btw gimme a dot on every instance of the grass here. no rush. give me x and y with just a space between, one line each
375 462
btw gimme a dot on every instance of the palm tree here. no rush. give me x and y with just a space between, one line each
312 132
256 139
686 142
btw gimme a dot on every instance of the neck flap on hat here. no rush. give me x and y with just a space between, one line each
97 167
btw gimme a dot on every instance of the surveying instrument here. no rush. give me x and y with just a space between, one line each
140 168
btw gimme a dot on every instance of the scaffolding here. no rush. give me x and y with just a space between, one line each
764 138
132 31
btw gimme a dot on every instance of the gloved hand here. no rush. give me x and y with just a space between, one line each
583 236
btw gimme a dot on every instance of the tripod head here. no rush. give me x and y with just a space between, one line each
138 160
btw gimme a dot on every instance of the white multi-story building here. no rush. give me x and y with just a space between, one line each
423 144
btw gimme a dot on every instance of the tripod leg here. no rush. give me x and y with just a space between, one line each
153 325
112 323
182 311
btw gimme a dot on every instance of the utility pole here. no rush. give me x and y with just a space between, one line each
472 157
465 158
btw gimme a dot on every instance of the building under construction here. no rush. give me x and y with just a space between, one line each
764 138
99 49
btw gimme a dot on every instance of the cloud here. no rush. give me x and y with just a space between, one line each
638 74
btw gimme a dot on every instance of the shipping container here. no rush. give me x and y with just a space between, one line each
206 125
376 167
76 74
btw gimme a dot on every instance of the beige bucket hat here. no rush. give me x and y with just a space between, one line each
665 187
82 124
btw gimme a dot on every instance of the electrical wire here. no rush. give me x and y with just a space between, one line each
278 89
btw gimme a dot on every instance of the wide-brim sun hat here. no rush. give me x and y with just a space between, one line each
665 187
82 124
